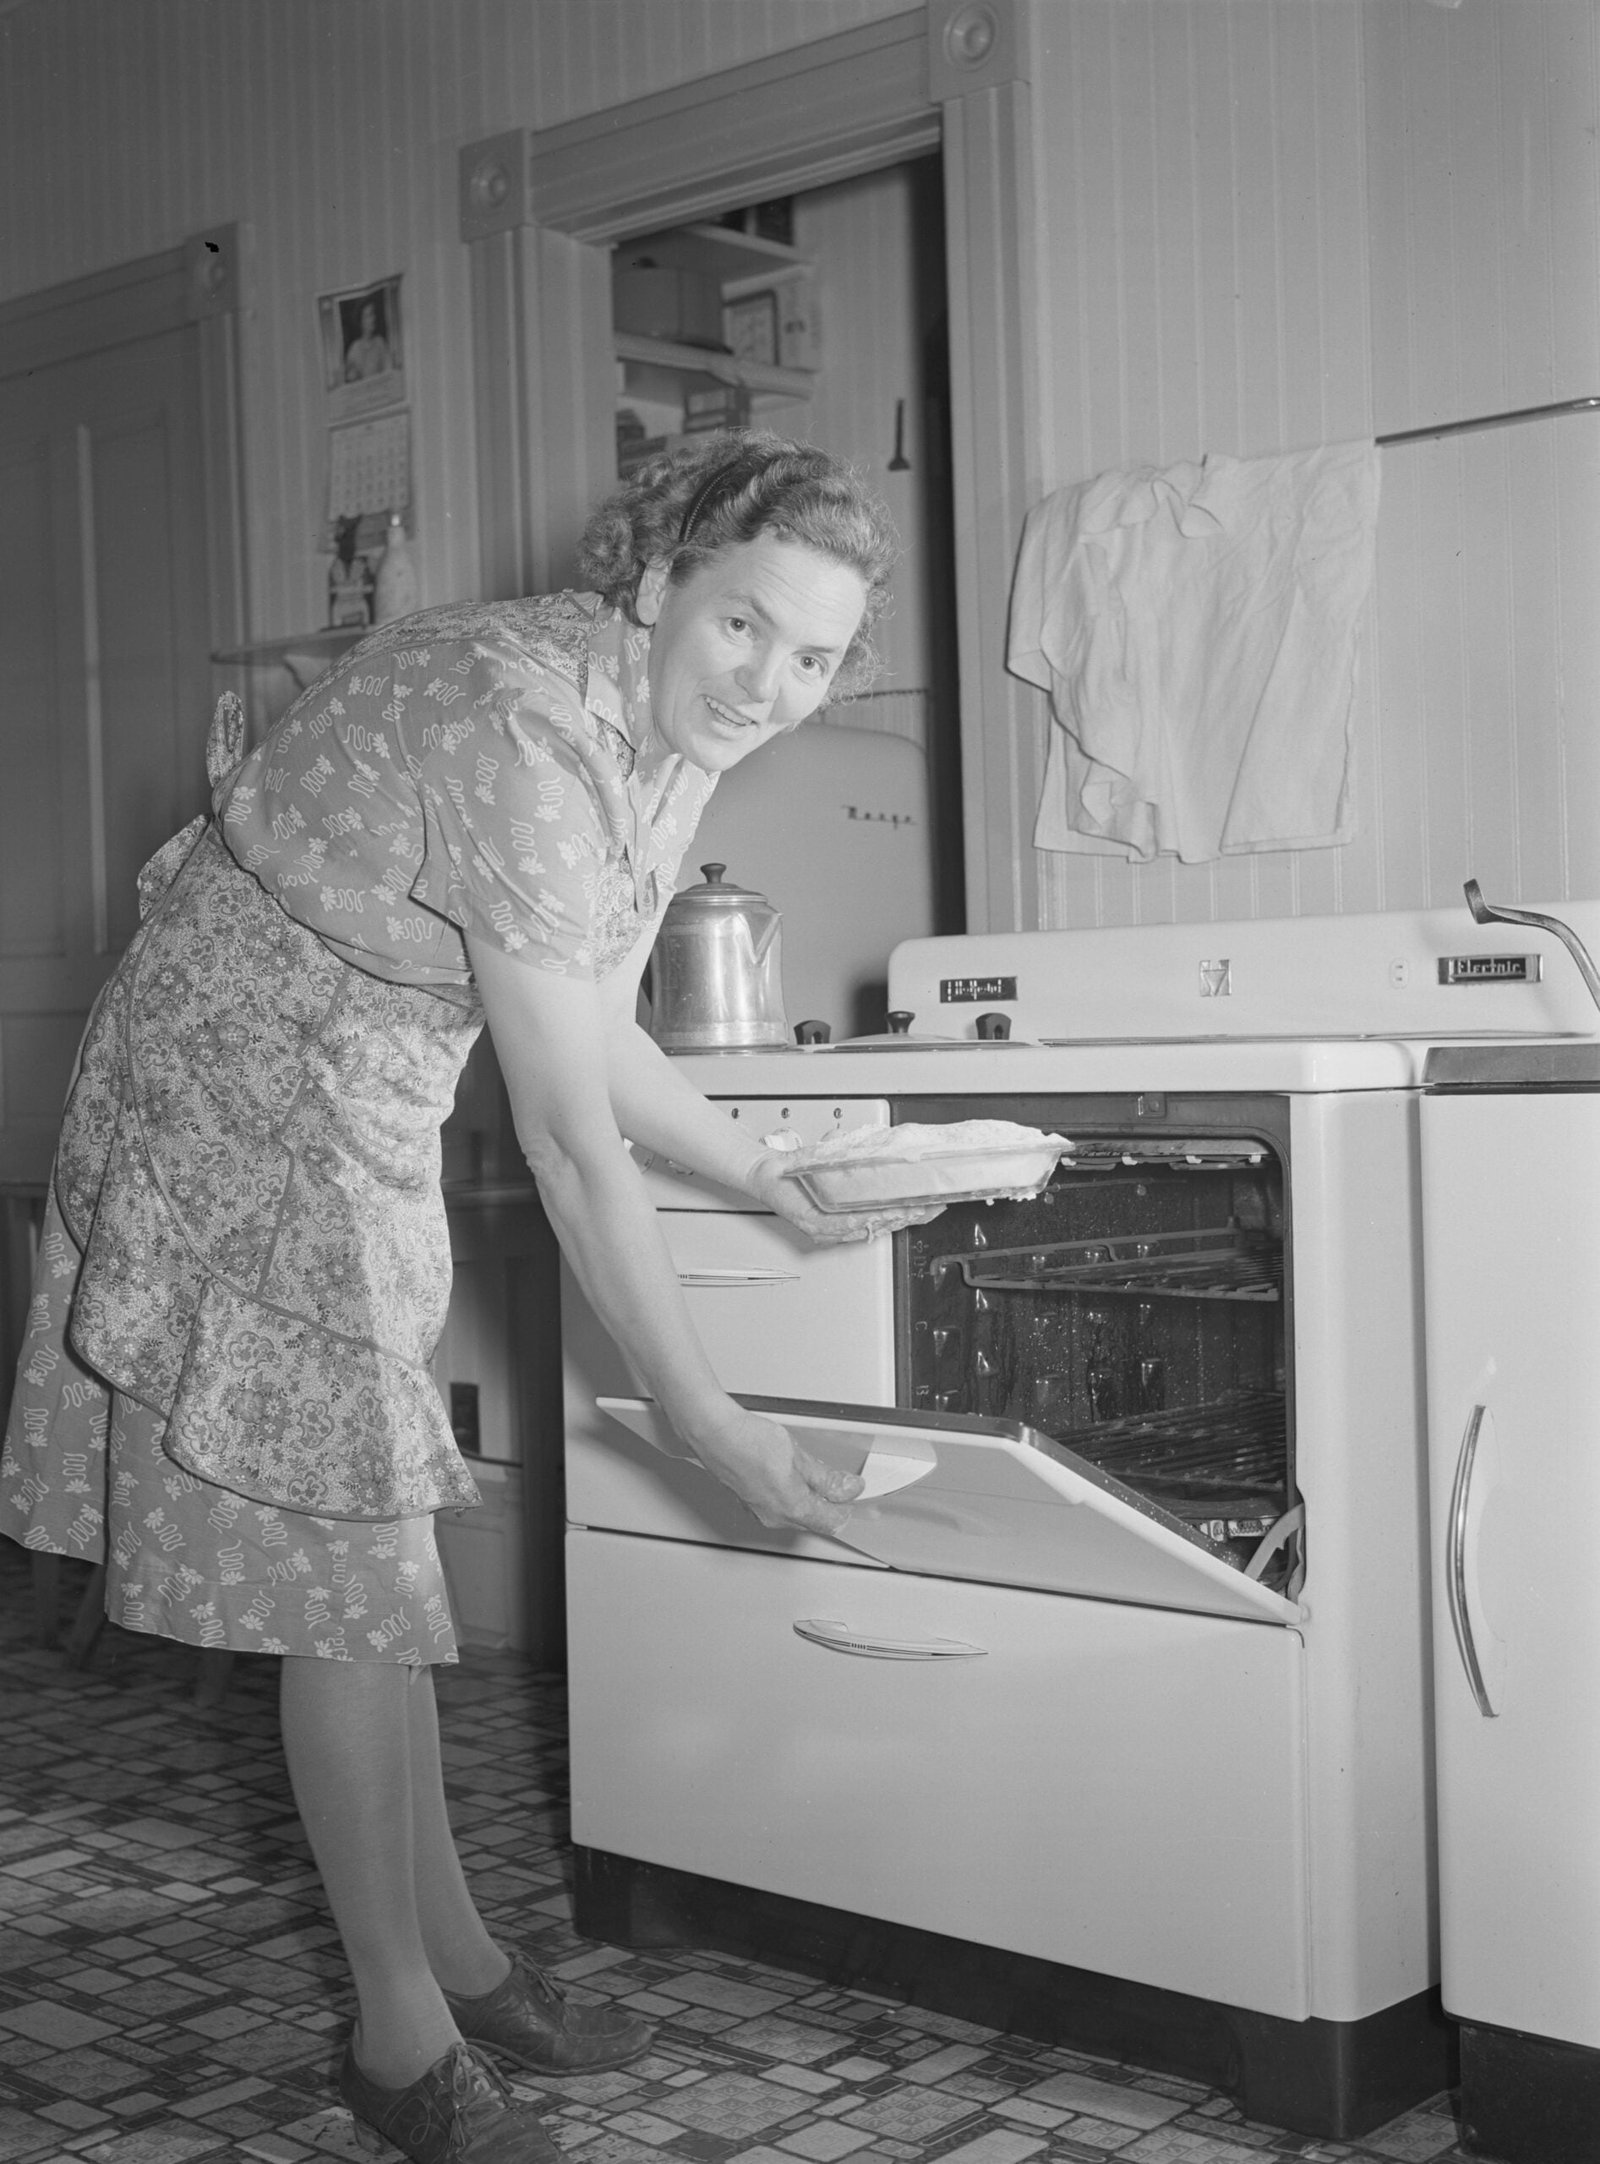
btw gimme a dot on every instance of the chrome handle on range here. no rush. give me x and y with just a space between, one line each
840 1638
1491 913
1456 1564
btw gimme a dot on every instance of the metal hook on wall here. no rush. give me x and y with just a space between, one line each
899 463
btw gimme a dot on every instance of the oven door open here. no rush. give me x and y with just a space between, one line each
957 1496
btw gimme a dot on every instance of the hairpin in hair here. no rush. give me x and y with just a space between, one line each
704 493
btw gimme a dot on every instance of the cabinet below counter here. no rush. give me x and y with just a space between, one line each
498 1368
952 1776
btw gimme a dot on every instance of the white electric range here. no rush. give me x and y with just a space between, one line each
1108 1716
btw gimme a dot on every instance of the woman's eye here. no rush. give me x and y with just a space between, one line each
738 623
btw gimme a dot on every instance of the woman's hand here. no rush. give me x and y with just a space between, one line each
786 1198
777 1481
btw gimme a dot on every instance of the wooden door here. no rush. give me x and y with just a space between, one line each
109 518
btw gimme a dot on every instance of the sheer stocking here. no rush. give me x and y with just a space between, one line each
362 1743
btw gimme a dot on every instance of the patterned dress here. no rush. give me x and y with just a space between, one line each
225 1391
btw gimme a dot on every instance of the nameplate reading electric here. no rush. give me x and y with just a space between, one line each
1489 968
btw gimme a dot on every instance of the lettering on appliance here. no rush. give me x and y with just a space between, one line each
968 991
1489 968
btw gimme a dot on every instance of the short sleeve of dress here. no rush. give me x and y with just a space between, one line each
528 832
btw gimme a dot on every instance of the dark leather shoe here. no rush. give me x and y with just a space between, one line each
531 2022
459 2112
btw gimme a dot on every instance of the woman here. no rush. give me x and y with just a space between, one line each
368 352
245 1270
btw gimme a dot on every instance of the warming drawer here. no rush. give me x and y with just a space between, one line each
767 1304
1059 1777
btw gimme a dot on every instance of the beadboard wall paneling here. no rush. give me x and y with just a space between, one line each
1204 292
331 133
1488 665
1268 224
1484 185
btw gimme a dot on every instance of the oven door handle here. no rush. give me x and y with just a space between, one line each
840 1638
1456 1564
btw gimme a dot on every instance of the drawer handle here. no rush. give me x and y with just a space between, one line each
840 1638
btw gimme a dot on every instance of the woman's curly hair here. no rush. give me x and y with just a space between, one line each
732 486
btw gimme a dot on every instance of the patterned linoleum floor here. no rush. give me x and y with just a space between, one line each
171 1988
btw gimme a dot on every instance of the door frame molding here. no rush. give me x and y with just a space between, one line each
188 296
540 207
195 283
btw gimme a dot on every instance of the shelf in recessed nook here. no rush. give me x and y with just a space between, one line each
671 362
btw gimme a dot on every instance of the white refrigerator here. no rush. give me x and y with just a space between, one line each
1511 1216
833 825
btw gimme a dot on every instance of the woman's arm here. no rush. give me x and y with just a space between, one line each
549 1032
657 1107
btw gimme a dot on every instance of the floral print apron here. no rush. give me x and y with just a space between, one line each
224 1392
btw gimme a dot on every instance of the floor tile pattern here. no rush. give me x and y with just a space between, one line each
171 1987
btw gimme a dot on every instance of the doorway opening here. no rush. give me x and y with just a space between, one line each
832 305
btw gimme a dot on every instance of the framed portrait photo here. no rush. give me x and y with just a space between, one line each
363 353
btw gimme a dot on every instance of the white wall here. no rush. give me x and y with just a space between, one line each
1270 223
330 128
1265 223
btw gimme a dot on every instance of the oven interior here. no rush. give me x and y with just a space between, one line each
1137 1312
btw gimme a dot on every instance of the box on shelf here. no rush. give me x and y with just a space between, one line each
792 295
658 300
799 344
723 405
634 450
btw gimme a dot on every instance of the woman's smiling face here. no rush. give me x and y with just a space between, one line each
746 646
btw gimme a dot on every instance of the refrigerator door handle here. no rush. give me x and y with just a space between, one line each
1456 1567
840 1638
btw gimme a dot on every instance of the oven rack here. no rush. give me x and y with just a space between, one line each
1197 1152
1223 1460
1220 1263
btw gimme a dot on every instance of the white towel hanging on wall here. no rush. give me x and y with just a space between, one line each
1195 627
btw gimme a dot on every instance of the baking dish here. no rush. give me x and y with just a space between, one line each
912 1166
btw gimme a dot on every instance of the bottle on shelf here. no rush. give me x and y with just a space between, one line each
396 592
349 580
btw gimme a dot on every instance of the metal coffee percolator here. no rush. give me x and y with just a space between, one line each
715 976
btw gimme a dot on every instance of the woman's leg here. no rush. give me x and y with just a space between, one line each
530 2022
347 1735
462 1955
362 1740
